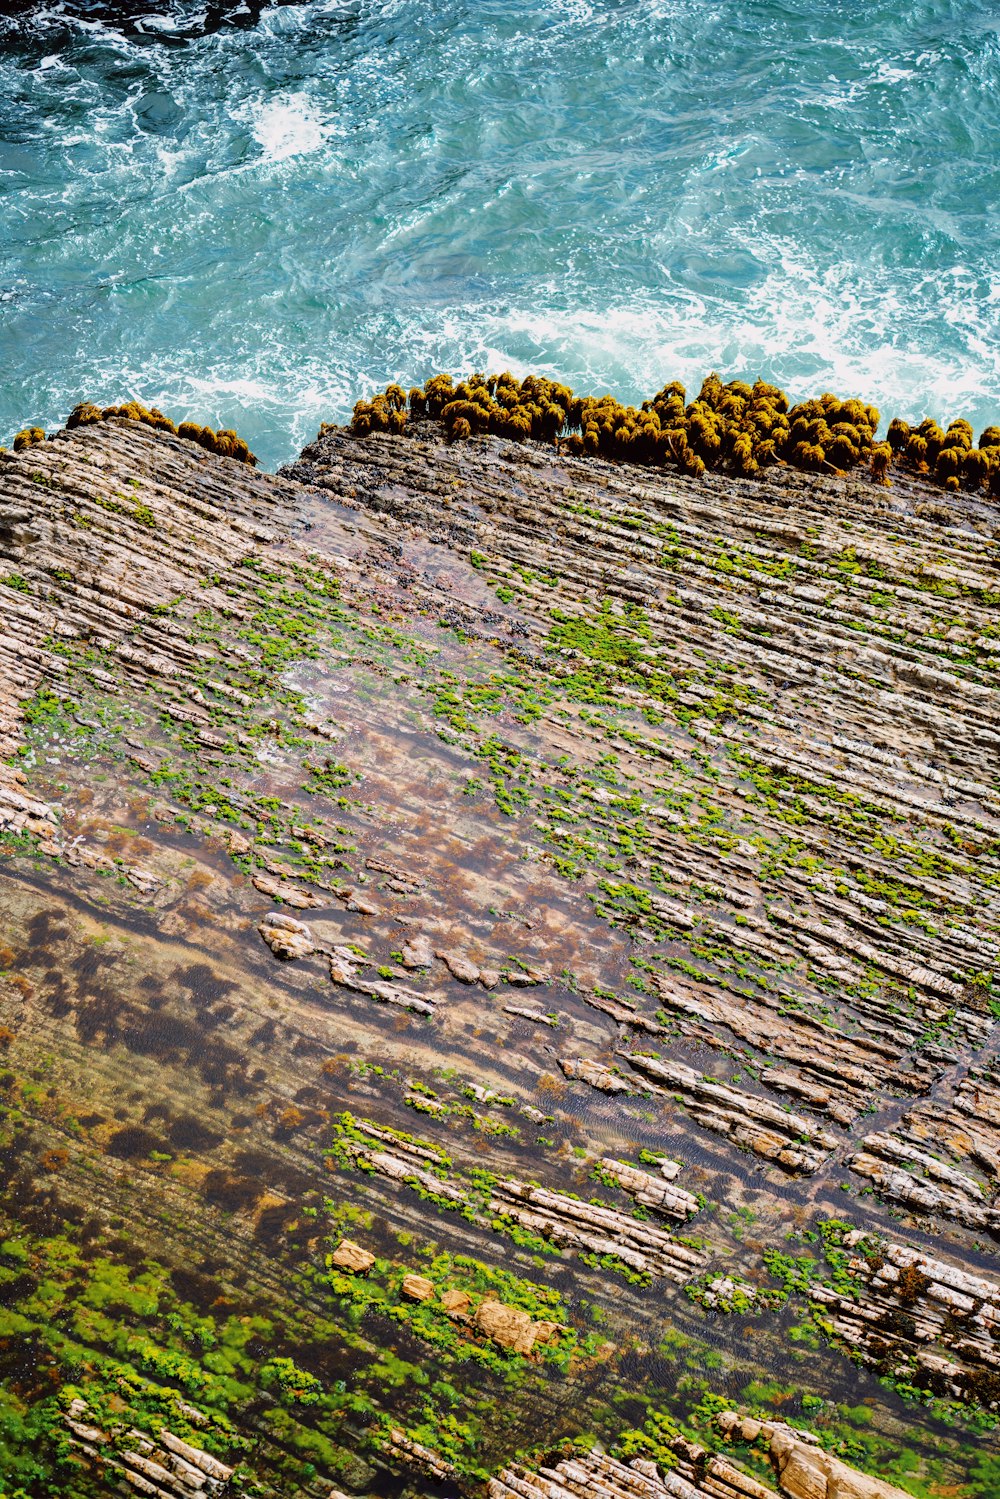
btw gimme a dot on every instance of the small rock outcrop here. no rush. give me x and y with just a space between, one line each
507 1325
418 1287
286 937
804 1470
351 1257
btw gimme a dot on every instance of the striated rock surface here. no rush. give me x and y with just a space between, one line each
766 1128
652 1191
803 1470
560 1220
166 1467
919 1317
542 883
127 520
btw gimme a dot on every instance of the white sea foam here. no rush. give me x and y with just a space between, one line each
288 126
212 387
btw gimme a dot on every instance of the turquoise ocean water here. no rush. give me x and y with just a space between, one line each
251 216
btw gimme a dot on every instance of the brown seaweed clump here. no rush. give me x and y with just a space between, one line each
225 442
732 428
949 457
384 413
29 437
735 428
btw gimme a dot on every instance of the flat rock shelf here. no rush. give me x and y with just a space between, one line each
498 976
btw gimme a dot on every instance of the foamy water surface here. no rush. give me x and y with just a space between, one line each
251 216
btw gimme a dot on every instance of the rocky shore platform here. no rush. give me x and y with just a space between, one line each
498 976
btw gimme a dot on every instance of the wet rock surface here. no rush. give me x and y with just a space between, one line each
583 874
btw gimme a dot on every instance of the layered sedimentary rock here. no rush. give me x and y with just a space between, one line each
102 530
802 1470
560 1220
167 1468
942 1158
919 1317
568 885
759 1125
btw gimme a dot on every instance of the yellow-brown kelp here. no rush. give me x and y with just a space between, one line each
224 442
733 428
385 413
